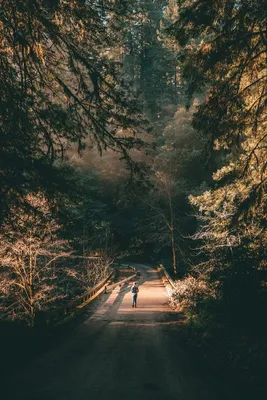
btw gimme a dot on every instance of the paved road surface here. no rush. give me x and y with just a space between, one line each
118 353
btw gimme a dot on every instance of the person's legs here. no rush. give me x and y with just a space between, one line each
134 299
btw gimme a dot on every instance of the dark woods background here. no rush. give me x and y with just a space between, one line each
135 129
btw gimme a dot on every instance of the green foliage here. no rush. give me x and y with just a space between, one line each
150 63
227 51
57 86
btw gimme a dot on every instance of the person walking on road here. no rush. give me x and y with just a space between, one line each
134 290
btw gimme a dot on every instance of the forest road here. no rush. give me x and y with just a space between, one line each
118 353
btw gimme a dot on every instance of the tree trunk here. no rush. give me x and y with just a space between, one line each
174 257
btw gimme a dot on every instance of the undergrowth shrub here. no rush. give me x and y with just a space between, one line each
189 292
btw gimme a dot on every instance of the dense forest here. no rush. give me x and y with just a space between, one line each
136 130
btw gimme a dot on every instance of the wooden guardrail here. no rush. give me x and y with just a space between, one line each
165 276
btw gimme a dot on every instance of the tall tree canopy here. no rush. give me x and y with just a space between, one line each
224 53
58 85
149 62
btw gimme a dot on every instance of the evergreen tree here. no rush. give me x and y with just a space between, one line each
149 63
57 86
224 52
